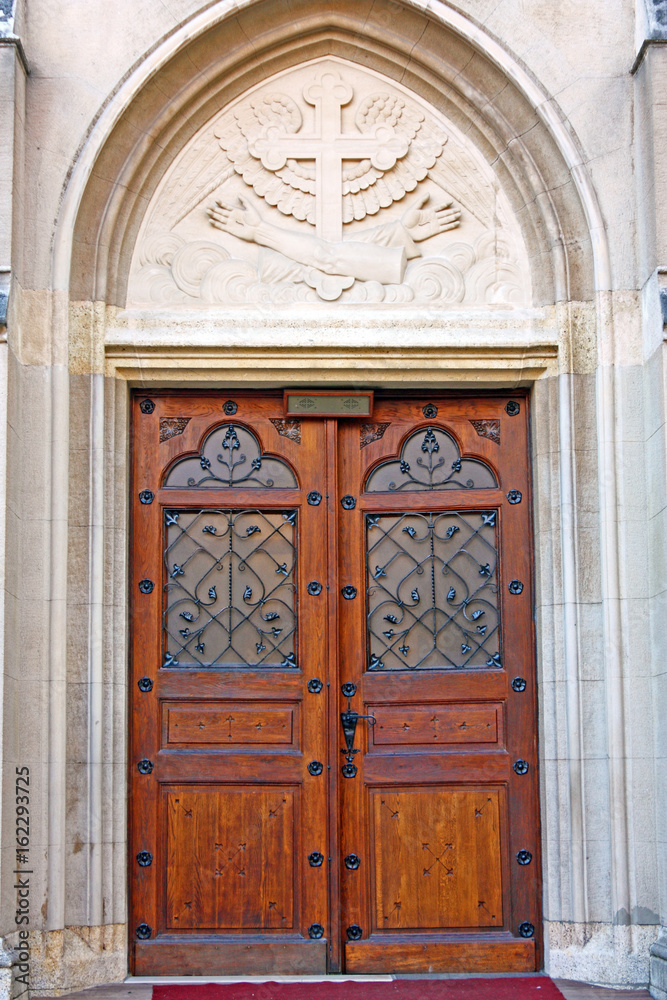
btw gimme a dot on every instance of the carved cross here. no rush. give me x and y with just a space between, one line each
329 146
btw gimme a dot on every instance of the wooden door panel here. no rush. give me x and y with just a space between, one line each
436 858
222 846
432 725
438 547
229 724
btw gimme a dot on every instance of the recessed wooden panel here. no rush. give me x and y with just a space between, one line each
437 860
228 724
432 725
223 847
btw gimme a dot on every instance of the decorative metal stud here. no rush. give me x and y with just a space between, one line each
515 587
145 766
144 858
354 932
521 766
315 767
143 932
526 929
430 411
315 685
146 496
146 586
347 502
314 498
146 405
514 496
316 931
519 684
524 857
315 859
349 689
349 592
229 408
314 588
512 408
349 770
352 862
145 684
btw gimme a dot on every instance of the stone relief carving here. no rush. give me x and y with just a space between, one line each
327 184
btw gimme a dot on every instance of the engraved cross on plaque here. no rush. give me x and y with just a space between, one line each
329 147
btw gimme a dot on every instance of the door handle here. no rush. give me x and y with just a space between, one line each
349 721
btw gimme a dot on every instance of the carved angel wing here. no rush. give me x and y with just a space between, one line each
199 171
291 187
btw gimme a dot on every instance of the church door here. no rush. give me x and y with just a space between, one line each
333 753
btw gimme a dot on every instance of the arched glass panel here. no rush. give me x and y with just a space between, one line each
430 460
231 456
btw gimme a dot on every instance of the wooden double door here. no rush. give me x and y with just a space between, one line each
333 754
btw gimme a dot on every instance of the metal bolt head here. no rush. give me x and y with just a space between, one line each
229 408
526 929
521 766
143 932
514 496
145 766
315 767
430 411
512 408
314 588
524 857
515 587
146 586
315 859
146 496
349 770
519 684
349 689
144 859
145 684
354 932
352 862
347 502
315 685
146 405
349 592
314 498
316 931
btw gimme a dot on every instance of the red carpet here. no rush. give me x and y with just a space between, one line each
528 988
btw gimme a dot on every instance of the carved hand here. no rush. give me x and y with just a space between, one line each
422 223
239 220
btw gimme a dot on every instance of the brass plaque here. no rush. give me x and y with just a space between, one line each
328 404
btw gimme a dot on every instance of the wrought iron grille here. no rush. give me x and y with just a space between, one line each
231 456
432 590
230 591
430 460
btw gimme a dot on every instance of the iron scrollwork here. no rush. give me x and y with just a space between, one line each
432 590
431 459
231 588
241 462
